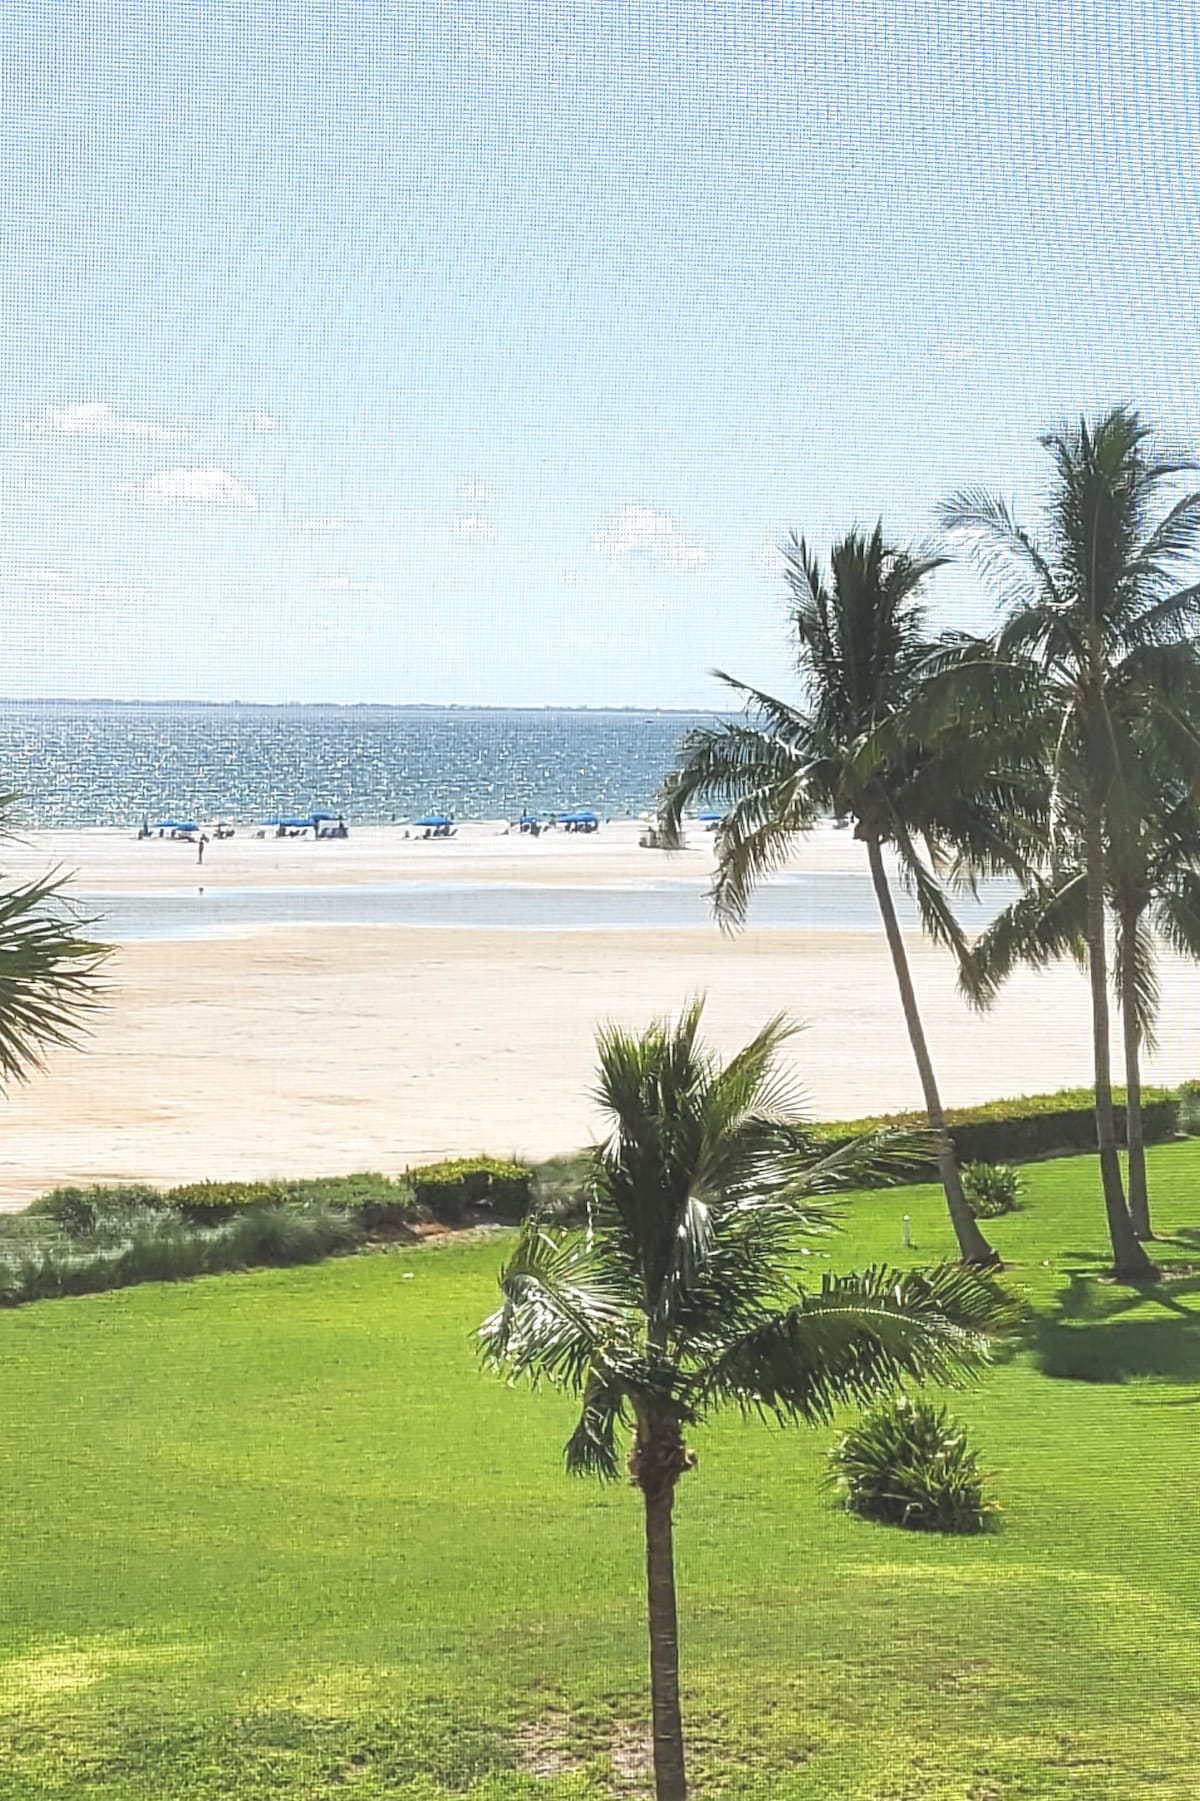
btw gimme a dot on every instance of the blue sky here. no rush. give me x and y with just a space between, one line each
480 353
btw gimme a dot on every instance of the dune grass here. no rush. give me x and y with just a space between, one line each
275 1534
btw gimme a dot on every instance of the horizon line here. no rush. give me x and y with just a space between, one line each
395 706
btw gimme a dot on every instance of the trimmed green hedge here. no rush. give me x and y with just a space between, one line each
208 1203
1016 1130
449 1190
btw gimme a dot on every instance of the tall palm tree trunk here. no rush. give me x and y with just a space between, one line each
670 1777
973 1247
1129 1258
1139 1196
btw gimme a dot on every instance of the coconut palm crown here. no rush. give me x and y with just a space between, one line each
684 1295
947 803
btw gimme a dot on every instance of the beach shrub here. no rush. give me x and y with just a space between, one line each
79 1211
379 1203
282 1236
1188 1109
991 1189
449 1190
166 1248
1019 1129
907 1463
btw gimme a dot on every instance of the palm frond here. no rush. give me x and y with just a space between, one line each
50 978
591 1449
1043 925
857 1338
984 525
872 1160
1135 973
1177 912
558 1311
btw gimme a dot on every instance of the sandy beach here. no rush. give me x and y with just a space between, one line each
333 1048
115 862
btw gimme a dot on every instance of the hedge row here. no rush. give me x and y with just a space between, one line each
1014 1131
446 1192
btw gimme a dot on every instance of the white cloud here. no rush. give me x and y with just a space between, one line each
476 494
344 584
574 578
260 421
955 355
639 531
475 530
319 525
193 487
96 419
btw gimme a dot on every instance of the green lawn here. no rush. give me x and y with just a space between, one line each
276 1535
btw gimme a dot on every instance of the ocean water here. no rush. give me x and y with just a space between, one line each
81 764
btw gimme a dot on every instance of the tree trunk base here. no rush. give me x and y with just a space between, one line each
1137 1277
989 1259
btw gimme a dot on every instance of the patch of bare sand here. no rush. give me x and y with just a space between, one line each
325 1050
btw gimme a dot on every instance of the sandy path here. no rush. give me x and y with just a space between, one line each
331 1049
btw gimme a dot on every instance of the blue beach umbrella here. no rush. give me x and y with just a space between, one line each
432 819
581 816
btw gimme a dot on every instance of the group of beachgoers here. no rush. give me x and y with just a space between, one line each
582 820
186 831
330 825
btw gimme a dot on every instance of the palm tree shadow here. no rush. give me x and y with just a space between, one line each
1088 1338
1188 1237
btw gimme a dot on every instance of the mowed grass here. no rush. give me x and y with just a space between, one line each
278 1535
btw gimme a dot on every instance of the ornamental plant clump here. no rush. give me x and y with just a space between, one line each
907 1463
992 1189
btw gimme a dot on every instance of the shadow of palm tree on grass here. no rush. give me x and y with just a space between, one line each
1089 1337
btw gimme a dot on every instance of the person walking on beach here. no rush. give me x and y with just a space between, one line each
203 840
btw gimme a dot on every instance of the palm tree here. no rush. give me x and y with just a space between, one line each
681 1298
862 645
1153 886
1156 892
1099 635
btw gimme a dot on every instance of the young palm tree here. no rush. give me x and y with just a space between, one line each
862 646
1099 632
682 1297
